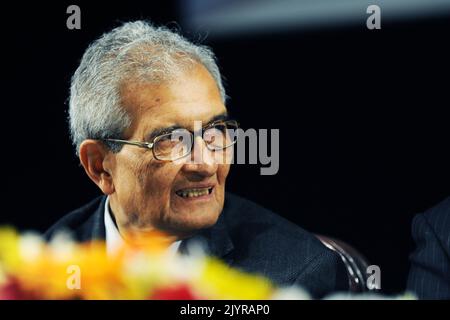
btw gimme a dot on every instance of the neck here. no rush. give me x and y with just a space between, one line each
138 235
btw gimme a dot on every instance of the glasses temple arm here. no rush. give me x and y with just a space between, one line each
134 143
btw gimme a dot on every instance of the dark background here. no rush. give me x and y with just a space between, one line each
363 118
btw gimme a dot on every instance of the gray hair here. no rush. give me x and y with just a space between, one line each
135 50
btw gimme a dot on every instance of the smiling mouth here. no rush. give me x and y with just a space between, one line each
194 192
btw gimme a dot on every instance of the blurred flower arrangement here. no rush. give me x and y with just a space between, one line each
33 269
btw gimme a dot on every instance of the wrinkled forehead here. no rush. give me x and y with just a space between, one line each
191 96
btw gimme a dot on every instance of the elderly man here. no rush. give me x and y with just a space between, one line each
136 88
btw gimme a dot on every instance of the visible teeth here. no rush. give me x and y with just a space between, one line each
193 193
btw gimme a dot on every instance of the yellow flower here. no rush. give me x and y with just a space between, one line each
219 281
9 249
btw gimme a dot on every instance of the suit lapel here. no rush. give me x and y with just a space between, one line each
94 227
215 241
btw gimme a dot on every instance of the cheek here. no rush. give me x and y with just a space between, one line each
125 178
222 173
156 179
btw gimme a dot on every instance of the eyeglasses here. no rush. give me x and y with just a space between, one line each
178 143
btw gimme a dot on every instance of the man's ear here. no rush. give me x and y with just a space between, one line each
93 156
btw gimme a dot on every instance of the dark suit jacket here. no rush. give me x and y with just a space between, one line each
429 276
246 236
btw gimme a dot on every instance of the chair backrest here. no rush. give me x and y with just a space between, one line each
355 263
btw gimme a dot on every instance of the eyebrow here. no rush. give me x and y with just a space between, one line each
222 116
164 130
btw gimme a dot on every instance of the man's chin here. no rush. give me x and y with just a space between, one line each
192 222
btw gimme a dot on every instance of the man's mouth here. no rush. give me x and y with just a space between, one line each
194 192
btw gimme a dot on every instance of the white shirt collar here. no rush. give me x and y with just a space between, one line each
113 238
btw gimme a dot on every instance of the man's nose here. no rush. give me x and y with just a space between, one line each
202 160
